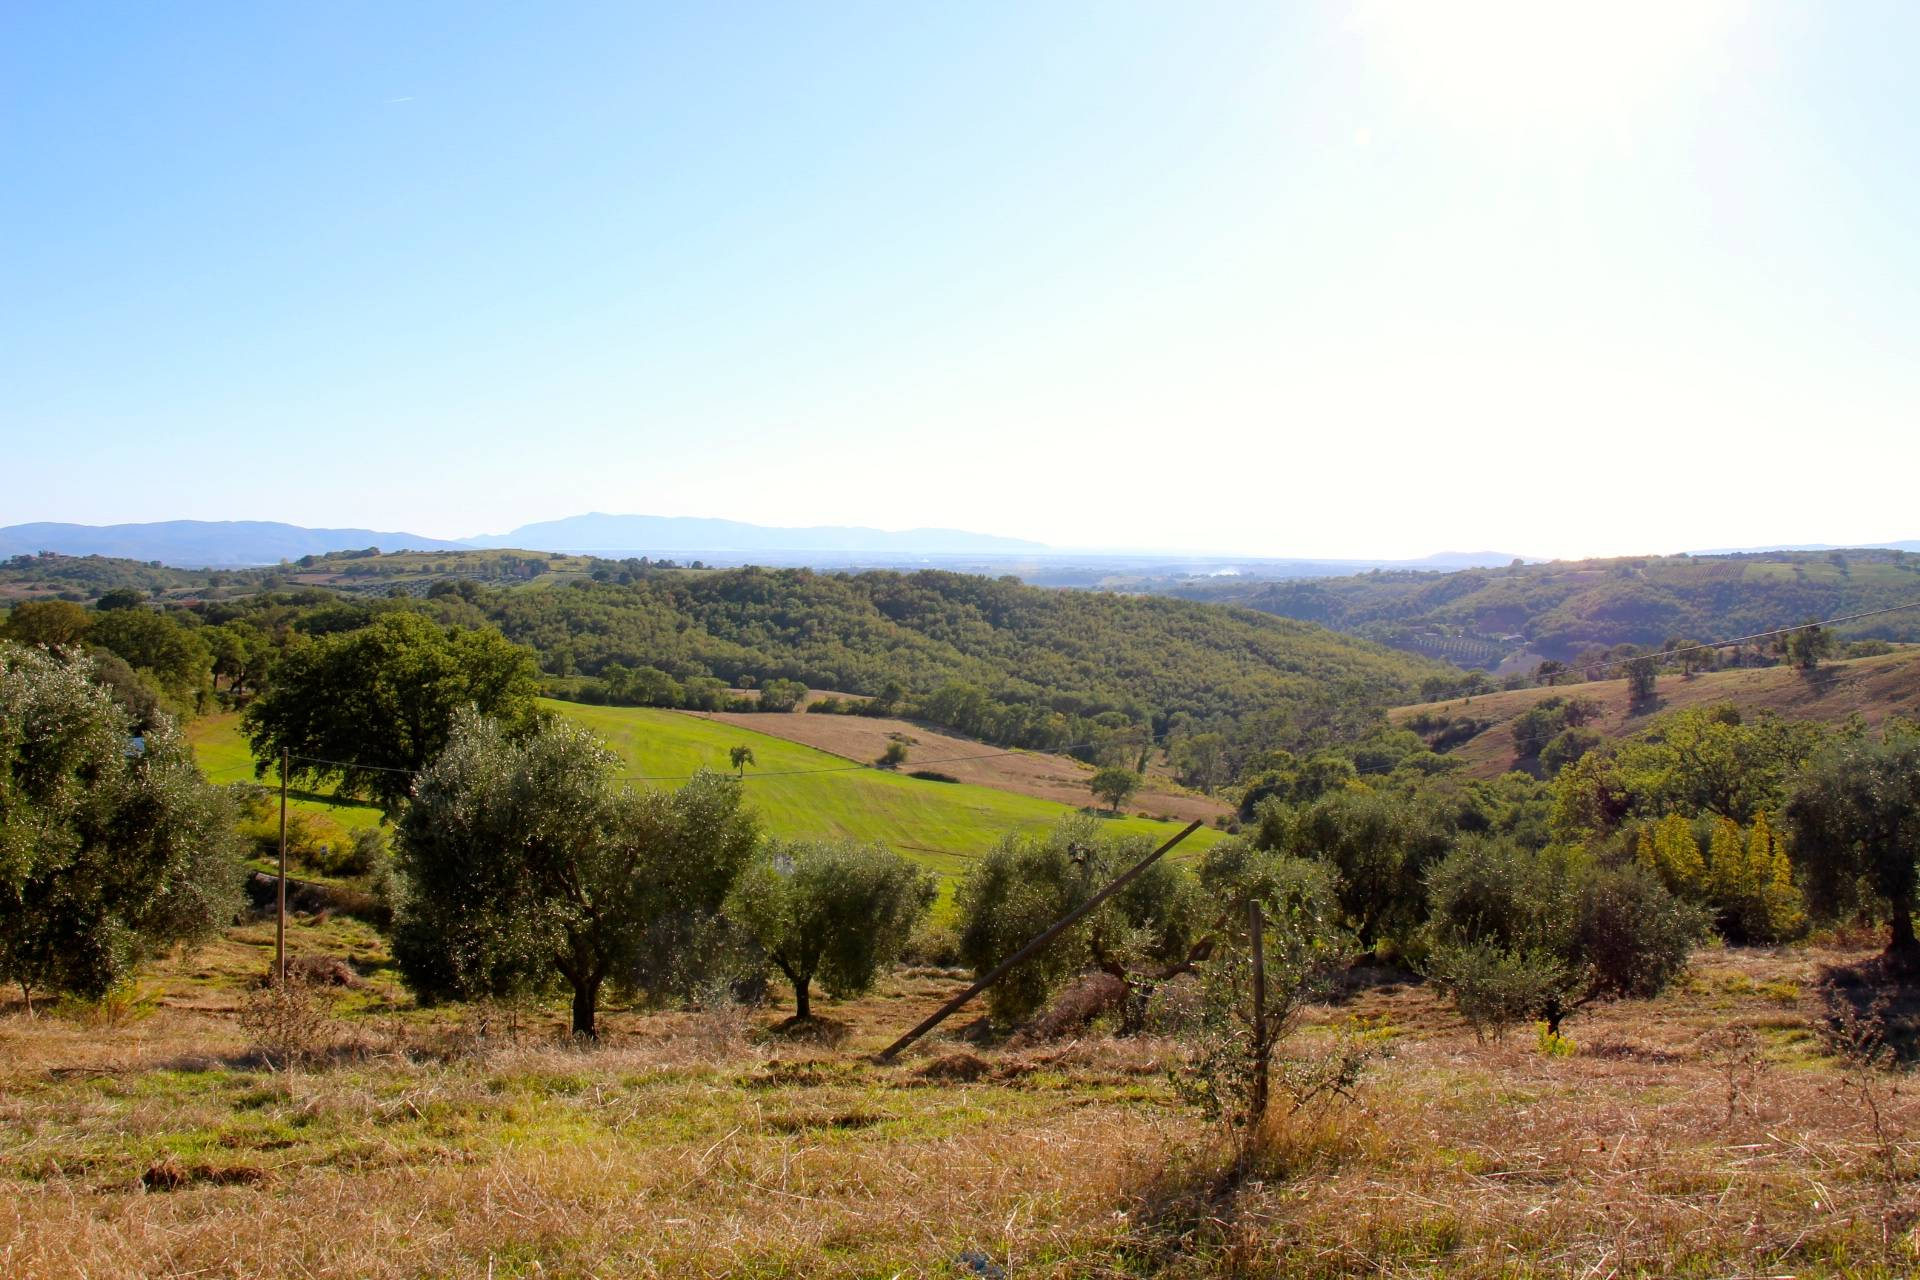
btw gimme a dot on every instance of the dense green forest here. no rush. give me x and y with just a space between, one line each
993 658
1561 609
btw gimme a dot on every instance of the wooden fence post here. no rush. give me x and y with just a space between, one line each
280 923
1257 1100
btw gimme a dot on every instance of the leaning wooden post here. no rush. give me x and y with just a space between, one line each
280 924
1045 936
1257 1099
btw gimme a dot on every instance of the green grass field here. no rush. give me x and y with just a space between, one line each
221 748
943 825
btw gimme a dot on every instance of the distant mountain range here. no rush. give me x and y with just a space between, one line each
599 534
197 544
204 544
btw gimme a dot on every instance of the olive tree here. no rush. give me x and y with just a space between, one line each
1114 784
524 866
836 911
1028 882
110 848
1855 811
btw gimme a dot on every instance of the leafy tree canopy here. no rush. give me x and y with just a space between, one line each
526 865
835 911
1704 760
109 850
1855 813
373 706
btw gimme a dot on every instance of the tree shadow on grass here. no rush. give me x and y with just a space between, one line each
818 1030
1869 1012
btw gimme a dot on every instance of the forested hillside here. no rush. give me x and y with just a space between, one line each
1557 610
990 657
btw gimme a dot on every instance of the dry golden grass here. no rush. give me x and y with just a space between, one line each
1872 688
1703 1135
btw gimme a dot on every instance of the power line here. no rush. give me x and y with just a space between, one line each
344 764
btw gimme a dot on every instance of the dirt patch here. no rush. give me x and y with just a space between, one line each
1077 1004
169 1174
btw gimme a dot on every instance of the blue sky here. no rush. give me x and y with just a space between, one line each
1342 279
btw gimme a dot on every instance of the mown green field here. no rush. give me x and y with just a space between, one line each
221 748
943 825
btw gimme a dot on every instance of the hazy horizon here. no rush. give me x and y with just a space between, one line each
496 538
1361 281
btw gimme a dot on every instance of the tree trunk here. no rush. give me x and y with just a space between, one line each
586 996
1903 949
802 998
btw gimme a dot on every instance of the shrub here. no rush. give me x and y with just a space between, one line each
288 1022
1027 883
1518 934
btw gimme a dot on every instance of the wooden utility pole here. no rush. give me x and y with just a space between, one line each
280 924
1045 936
1257 1097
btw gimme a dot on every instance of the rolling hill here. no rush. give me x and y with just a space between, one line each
991 658
798 791
1045 776
1519 614
1873 688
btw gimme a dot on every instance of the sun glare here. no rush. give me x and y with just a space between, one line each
1527 64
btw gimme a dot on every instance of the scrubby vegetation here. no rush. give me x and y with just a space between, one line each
1565 608
504 857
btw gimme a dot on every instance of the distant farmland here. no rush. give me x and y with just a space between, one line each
1040 774
943 825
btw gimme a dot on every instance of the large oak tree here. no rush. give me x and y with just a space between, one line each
371 707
